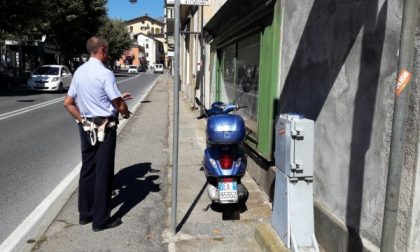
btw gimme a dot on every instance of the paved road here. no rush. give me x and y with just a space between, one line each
39 146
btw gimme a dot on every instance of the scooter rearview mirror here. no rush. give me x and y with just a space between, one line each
198 101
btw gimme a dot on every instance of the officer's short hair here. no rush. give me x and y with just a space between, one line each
95 43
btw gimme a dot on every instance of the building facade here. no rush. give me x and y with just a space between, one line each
145 25
153 49
169 15
334 62
134 56
149 33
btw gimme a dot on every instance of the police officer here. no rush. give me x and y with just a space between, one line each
94 94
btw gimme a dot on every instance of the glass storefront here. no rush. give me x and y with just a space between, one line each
240 77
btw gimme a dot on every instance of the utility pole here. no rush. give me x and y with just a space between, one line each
399 123
175 120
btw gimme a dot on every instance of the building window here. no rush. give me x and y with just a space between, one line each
228 89
240 76
131 29
247 70
147 46
170 13
147 54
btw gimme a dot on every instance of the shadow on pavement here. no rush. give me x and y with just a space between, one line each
17 92
229 211
132 186
122 75
188 213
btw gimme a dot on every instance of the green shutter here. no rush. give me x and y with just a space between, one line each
268 83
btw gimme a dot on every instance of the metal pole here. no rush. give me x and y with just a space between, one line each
397 151
175 120
202 59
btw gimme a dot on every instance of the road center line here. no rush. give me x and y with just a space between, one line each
30 108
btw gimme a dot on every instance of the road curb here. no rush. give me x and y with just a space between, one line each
268 239
24 237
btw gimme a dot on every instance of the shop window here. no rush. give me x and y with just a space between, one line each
247 71
240 77
228 87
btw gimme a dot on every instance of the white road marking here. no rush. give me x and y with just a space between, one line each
41 105
44 214
28 109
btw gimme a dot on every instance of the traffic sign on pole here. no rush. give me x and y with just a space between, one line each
191 2
195 2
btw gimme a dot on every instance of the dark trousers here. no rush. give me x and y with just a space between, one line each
95 183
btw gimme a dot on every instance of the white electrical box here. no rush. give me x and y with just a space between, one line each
293 207
294 150
293 213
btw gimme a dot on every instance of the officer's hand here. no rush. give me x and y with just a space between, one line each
126 96
126 115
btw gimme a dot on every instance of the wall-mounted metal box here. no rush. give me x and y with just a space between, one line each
294 153
293 213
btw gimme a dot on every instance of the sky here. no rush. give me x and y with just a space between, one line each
125 10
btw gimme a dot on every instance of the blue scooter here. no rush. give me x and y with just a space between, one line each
224 160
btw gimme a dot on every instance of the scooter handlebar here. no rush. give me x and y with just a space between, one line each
241 106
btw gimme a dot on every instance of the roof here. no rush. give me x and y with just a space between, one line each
143 18
234 15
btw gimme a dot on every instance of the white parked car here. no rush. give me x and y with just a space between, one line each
158 68
133 69
50 78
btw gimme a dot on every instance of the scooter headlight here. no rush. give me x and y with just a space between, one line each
213 162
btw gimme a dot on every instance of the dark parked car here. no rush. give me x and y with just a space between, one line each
142 69
6 78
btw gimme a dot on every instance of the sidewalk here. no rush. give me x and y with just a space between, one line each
144 176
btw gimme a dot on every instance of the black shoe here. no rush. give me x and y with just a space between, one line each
84 221
111 224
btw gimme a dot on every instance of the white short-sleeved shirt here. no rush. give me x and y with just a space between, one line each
94 87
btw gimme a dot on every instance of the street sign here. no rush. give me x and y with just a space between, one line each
191 2
195 2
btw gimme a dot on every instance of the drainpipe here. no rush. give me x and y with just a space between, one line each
399 124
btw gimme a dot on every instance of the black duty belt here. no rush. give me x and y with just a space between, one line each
99 120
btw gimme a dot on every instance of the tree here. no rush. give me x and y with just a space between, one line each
74 22
118 38
24 20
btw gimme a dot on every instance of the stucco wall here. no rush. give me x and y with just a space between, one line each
338 67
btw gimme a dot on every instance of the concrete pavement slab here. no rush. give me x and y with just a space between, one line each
144 169
201 226
140 183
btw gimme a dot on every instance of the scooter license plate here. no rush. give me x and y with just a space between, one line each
228 192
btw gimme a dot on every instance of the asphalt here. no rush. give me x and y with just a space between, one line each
143 193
